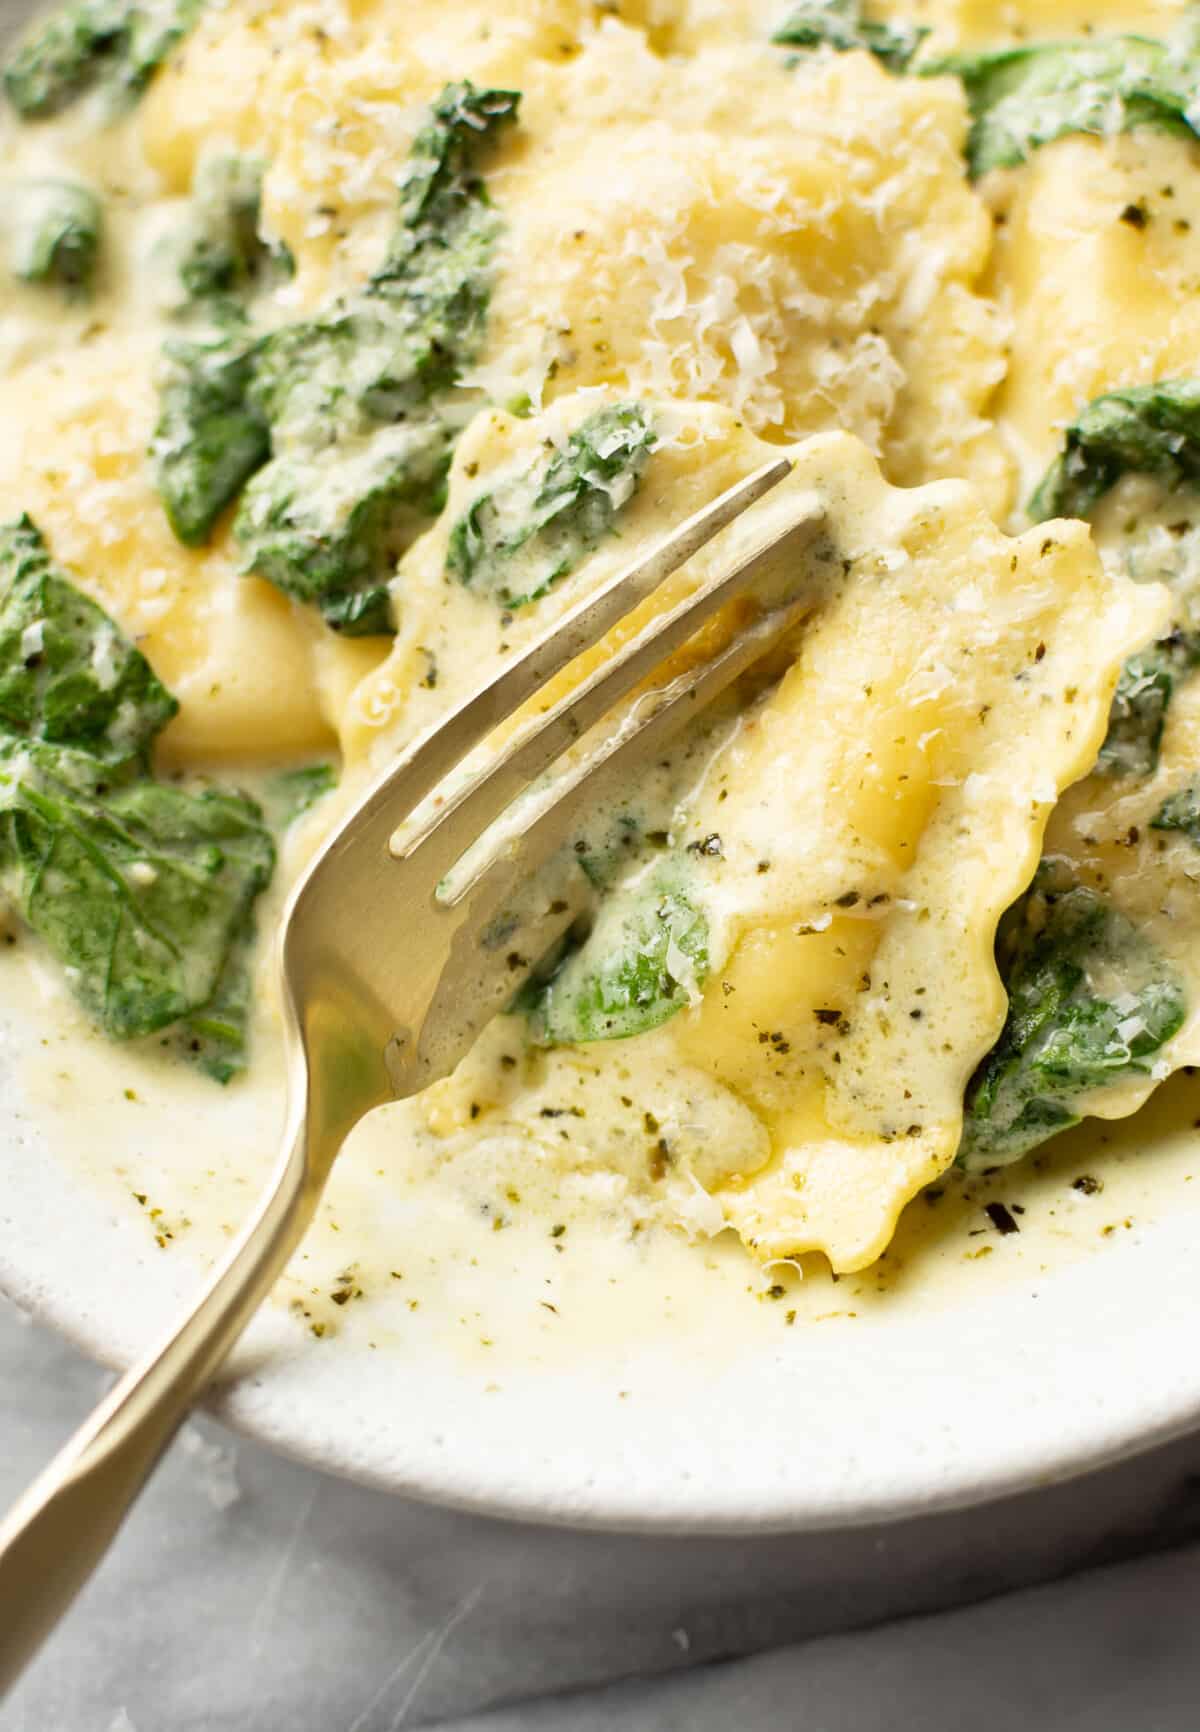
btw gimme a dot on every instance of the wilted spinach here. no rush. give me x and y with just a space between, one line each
1149 430
643 961
1140 703
142 889
54 233
210 438
846 24
359 402
118 43
1091 1001
1022 98
512 544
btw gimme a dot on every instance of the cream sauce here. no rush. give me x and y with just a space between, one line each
466 1253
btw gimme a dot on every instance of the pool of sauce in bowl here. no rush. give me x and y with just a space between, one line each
518 1265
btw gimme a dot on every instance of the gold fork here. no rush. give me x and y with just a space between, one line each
445 927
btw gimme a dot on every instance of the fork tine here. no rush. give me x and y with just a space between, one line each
470 809
435 753
509 914
483 970
513 859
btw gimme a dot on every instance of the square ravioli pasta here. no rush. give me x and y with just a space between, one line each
791 970
716 224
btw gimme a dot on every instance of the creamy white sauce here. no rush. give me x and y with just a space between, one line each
465 1253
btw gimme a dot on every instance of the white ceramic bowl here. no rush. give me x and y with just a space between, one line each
665 1389
591 1378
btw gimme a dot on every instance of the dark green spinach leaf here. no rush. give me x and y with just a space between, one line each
223 256
214 1037
142 890
514 543
1140 703
1149 430
1021 98
327 526
1091 1001
1181 811
438 264
357 401
138 888
120 43
844 25
68 676
210 436
644 958
55 233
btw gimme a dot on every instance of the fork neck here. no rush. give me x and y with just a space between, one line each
340 1053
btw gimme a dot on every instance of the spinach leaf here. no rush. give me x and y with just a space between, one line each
445 210
1144 430
646 954
223 255
357 401
121 43
1181 811
210 437
843 25
1151 430
55 233
1091 1000
290 793
67 674
1140 703
327 526
214 1037
1021 98
142 889
514 543
139 889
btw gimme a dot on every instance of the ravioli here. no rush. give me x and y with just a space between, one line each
1124 832
773 270
1096 262
754 250
694 240
959 679
856 839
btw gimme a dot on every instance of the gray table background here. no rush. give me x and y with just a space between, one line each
248 1592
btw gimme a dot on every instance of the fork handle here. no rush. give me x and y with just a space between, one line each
56 1533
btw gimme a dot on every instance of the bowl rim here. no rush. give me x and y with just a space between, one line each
606 1509
1037 1426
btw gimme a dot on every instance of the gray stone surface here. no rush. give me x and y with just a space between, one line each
1110 1651
250 1593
